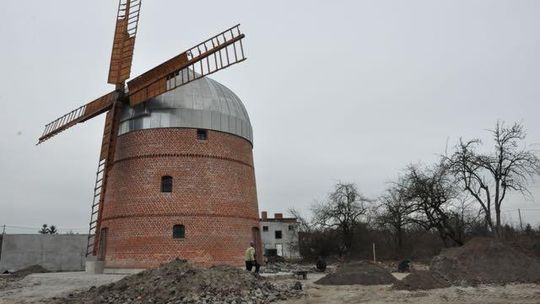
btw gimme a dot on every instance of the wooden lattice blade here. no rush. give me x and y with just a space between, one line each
212 55
81 114
127 21
106 157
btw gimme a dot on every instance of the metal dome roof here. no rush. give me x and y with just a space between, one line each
201 104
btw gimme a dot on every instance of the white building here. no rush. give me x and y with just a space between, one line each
279 234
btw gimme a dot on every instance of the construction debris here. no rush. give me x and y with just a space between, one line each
363 273
180 282
485 260
277 267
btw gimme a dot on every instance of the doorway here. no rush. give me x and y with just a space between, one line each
256 237
102 247
279 249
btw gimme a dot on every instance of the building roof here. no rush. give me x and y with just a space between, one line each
201 104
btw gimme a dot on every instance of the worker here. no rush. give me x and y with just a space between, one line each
321 264
404 266
250 257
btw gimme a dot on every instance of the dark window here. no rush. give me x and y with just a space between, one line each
265 228
202 134
166 183
278 234
291 227
178 232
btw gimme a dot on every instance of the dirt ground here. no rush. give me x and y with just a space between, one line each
35 287
484 294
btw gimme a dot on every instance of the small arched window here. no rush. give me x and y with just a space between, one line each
202 134
166 183
179 232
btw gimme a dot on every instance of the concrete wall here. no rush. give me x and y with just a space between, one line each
62 252
288 241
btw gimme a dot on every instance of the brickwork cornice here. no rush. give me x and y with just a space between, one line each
190 155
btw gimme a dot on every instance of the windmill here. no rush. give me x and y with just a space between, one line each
207 57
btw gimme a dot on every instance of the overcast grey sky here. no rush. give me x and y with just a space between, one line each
336 90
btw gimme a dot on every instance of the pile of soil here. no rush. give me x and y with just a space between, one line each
485 260
361 273
421 280
21 273
180 282
7 280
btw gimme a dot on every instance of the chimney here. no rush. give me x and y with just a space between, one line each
264 215
278 215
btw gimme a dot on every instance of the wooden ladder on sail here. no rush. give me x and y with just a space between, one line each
106 158
96 203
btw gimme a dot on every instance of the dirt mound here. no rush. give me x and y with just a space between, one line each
420 280
29 270
179 282
485 260
7 280
362 273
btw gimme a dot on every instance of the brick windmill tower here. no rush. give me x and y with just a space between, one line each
175 175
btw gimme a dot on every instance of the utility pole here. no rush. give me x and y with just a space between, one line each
374 254
4 229
520 221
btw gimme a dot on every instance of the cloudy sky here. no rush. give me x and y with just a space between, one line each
336 90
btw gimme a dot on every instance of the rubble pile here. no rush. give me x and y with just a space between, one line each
362 273
485 260
285 267
180 282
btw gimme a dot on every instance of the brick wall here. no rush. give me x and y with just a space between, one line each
214 197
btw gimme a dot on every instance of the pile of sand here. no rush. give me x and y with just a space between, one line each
179 282
421 280
362 273
485 260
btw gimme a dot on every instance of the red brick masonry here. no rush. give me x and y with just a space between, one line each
214 197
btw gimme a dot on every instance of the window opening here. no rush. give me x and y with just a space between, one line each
179 232
166 183
202 134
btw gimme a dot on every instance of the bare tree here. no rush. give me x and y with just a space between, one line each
430 193
303 223
488 177
395 213
301 232
341 211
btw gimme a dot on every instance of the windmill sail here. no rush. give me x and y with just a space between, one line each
212 55
81 114
106 157
127 22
